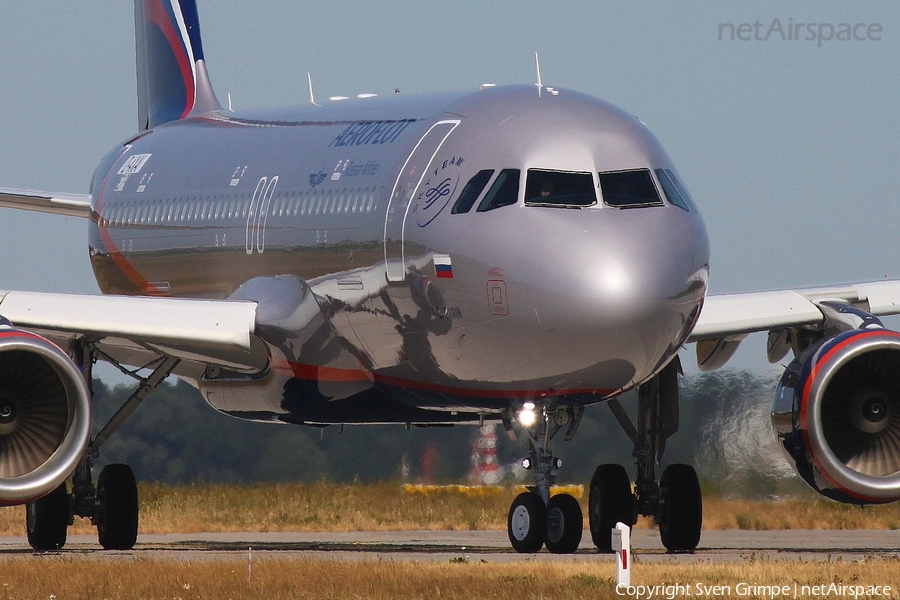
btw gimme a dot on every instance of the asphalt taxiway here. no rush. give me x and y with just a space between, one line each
489 546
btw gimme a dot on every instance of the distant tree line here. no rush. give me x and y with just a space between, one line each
175 437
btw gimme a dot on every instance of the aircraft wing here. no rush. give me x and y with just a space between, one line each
728 318
136 331
70 205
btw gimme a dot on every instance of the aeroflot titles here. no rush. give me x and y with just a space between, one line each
701 590
368 133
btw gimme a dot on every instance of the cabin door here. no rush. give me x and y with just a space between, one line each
406 187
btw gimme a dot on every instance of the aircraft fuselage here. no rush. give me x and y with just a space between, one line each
422 305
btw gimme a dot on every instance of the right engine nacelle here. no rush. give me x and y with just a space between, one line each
45 416
837 416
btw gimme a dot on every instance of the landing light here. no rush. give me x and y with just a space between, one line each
528 415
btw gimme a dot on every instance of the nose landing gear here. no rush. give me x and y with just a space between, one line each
536 518
527 523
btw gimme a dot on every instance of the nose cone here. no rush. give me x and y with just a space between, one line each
616 291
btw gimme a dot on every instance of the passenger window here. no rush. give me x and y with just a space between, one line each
674 191
471 191
629 189
559 188
504 192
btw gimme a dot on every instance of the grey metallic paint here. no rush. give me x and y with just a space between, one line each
597 299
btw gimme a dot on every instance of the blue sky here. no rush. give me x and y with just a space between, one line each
789 147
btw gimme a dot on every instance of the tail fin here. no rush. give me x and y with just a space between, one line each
171 74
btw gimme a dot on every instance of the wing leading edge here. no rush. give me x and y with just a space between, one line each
728 318
70 205
135 331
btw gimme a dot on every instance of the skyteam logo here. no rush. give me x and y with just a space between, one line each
437 191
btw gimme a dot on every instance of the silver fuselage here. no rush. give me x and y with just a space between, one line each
419 309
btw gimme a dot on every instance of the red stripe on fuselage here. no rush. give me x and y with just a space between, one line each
333 375
324 374
114 253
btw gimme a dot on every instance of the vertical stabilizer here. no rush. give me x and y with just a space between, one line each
171 73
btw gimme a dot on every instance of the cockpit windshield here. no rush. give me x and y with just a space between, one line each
559 188
629 189
471 191
504 192
674 190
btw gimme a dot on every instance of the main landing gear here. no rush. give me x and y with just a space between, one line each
111 505
536 518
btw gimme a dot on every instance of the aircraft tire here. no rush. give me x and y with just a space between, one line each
564 524
526 523
47 520
610 501
117 526
682 508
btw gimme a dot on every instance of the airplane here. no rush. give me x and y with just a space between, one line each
506 254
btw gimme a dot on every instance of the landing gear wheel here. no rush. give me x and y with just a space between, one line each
564 524
117 525
681 512
527 523
47 519
610 501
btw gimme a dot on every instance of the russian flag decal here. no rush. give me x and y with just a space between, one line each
443 268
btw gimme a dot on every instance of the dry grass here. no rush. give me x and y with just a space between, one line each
387 507
794 513
84 577
326 507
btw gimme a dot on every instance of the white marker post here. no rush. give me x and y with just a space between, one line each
621 545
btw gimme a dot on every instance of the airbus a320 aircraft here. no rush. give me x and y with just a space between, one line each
512 254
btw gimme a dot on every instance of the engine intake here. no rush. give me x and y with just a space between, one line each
45 416
837 416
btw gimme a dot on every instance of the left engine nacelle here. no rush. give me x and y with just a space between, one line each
45 416
837 416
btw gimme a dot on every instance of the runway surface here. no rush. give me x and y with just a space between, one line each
489 546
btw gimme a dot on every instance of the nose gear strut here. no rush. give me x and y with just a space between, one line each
537 517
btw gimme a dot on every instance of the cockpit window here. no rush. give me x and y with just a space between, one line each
559 188
674 190
504 192
629 189
470 193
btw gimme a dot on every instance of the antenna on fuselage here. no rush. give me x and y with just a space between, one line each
537 68
312 99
